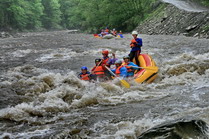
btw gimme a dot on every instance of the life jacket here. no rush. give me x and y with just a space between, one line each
133 43
105 61
114 33
107 30
117 72
84 77
129 68
99 71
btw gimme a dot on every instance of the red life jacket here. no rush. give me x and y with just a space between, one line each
129 69
99 71
105 61
117 72
114 33
85 77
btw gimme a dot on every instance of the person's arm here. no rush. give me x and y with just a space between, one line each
112 60
79 76
113 70
92 70
133 66
123 72
133 43
89 74
139 41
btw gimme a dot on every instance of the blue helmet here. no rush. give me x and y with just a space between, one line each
84 68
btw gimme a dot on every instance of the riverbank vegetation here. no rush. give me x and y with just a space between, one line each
89 16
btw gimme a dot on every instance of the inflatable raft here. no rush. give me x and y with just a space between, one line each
109 36
146 74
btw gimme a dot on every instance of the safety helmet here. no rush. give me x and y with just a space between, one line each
84 68
118 61
106 52
98 60
126 57
134 32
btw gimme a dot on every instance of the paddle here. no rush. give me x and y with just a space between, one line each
123 82
152 69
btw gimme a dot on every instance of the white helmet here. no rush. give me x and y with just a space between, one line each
134 32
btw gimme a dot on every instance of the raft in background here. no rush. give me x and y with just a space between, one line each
109 36
145 75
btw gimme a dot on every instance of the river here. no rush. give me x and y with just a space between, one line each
41 96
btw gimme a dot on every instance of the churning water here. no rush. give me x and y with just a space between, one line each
41 96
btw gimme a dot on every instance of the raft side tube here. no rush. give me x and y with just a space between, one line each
145 75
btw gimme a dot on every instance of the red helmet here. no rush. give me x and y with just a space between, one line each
105 52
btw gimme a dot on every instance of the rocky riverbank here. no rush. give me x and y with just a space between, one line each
170 20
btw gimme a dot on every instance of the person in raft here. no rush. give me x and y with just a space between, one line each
85 74
114 32
102 33
107 30
120 34
135 45
120 70
98 71
106 60
131 67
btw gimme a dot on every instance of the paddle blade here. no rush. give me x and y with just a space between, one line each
125 83
153 69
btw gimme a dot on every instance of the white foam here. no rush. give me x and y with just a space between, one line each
21 53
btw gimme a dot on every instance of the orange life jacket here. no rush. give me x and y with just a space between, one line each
117 72
133 43
107 30
99 71
85 77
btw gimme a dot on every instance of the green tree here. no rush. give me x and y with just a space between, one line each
18 18
34 12
51 18
4 14
97 14
86 15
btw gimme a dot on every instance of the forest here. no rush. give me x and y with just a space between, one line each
89 16
84 15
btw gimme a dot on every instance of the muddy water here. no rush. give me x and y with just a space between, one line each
41 96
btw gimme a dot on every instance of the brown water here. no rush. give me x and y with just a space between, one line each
41 96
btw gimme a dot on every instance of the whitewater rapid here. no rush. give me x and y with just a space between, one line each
41 96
